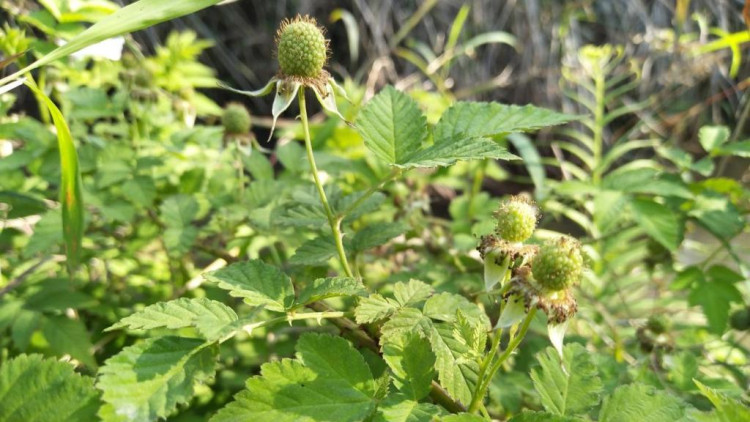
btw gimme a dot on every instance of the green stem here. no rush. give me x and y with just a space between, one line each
333 221
514 342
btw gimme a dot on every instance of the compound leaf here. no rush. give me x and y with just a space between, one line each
411 360
324 288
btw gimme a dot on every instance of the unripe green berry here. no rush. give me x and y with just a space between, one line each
558 265
302 48
740 319
236 119
516 219
658 324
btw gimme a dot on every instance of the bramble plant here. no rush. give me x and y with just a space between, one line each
320 287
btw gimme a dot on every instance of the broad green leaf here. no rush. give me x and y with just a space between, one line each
642 403
71 196
315 251
374 308
718 215
177 213
376 235
457 374
209 316
646 181
470 332
335 358
148 380
397 408
443 307
457 149
34 389
21 205
392 126
324 288
712 137
258 283
738 149
570 387
714 297
658 221
330 381
411 293
476 120
402 321
133 17
69 336
727 409
411 361
462 417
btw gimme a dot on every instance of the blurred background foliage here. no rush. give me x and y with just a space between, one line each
653 178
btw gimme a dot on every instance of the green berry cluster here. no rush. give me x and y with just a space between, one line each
236 119
302 48
558 265
516 219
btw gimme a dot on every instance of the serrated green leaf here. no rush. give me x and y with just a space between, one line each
727 409
638 402
402 321
411 293
258 283
471 333
411 361
457 373
315 251
392 126
397 408
148 380
34 389
443 307
658 221
462 417
324 288
374 308
376 235
570 387
330 381
459 149
69 336
335 358
209 316
714 297
475 119
178 210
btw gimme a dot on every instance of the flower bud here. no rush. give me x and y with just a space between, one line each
302 47
658 324
516 219
558 265
236 119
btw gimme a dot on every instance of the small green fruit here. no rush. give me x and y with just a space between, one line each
658 324
558 265
516 219
740 319
236 119
302 47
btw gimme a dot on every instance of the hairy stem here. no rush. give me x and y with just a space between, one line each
333 221
514 342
